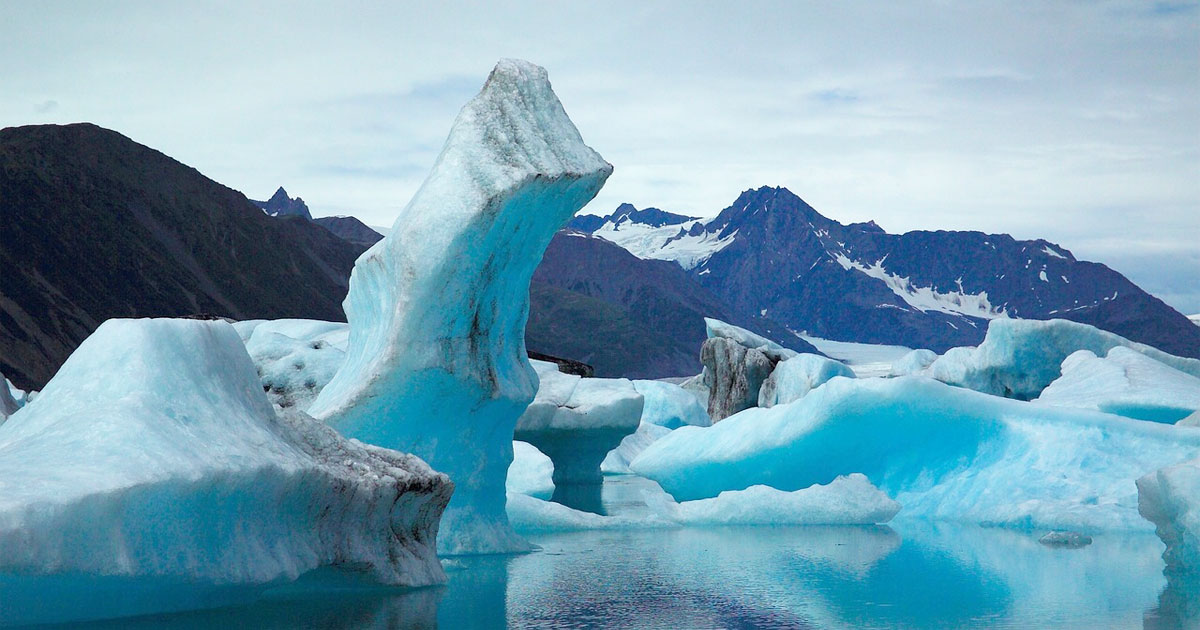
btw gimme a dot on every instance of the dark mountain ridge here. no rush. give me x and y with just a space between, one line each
98 226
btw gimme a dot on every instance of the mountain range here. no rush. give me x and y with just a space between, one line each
770 254
98 226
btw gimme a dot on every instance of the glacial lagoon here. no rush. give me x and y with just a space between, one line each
909 574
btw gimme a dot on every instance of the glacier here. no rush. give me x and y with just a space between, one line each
577 421
436 362
942 452
154 453
1020 357
1125 383
793 378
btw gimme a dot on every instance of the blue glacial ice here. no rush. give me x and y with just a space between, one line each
153 453
914 362
667 406
577 421
1020 357
531 472
8 399
295 358
436 361
1125 383
847 500
942 452
793 378
1170 498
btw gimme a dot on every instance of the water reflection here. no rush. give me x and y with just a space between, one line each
910 575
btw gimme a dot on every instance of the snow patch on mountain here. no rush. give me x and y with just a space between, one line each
926 299
679 242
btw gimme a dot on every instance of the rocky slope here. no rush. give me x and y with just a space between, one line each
96 226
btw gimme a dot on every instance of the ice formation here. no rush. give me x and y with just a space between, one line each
942 452
847 500
733 375
793 378
1020 357
914 362
668 406
617 461
8 402
295 358
1125 383
1170 498
1069 540
717 329
577 421
436 359
153 453
530 514
531 472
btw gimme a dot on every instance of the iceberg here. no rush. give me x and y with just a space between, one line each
295 358
1170 498
153 453
532 515
576 421
793 378
531 472
1020 357
847 500
436 362
1125 383
914 362
717 329
942 452
668 406
8 401
617 461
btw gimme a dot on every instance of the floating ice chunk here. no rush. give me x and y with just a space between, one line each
617 460
153 453
942 452
1020 357
1070 540
670 405
733 375
531 472
1190 421
1125 383
1170 498
577 421
716 328
436 360
793 378
529 514
914 362
295 358
847 500
8 402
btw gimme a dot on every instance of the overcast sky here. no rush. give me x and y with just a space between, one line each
1078 122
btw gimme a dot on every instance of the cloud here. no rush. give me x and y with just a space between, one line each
45 107
1076 122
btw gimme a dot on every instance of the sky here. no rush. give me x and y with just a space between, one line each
1078 122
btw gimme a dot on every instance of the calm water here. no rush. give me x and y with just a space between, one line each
908 575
